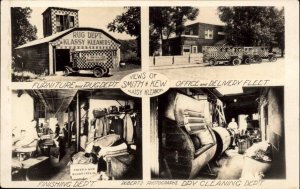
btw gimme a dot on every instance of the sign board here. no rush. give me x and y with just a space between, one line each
84 40
95 58
83 171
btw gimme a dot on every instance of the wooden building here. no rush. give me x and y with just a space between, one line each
62 36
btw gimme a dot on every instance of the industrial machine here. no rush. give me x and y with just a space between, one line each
189 143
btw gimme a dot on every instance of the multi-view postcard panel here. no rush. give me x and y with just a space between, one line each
217 42
76 134
221 117
75 43
219 133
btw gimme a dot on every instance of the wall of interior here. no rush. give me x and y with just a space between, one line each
275 129
98 103
21 104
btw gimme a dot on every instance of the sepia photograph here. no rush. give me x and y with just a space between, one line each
149 94
219 41
60 43
76 135
218 133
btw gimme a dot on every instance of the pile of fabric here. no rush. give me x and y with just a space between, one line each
111 144
98 150
80 158
257 161
260 151
121 122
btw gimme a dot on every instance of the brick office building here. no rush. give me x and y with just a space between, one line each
62 36
194 38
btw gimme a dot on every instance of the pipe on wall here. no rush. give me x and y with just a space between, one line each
77 122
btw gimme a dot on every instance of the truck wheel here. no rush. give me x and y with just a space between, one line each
247 61
66 72
236 61
212 62
258 59
272 59
105 71
98 72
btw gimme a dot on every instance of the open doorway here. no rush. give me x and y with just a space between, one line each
62 59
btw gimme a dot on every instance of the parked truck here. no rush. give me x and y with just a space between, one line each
236 55
97 61
222 54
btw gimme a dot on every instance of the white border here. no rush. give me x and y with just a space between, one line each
291 84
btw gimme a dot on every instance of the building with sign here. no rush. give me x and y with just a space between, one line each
194 38
63 37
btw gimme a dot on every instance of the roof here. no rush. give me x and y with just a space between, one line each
59 8
56 100
221 42
58 35
44 40
202 23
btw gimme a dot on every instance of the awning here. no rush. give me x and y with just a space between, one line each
220 43
56 101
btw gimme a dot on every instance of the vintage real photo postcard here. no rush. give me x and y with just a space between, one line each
149 94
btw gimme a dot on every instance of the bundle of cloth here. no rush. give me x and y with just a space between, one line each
109 145
100 148
80 158
260 151
257 161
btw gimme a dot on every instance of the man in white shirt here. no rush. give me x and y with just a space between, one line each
234 126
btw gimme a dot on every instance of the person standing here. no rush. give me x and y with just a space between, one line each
57 130
234 126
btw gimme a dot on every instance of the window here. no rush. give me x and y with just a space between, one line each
59 23
209 34
186 49
64 22
195 49
40 109
71 21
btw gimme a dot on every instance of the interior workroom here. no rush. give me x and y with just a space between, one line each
218 133
76 135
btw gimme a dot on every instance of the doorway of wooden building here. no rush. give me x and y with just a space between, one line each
62 59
